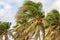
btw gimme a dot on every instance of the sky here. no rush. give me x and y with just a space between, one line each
9 8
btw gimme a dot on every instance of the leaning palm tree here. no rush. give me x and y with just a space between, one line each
52 31
30 14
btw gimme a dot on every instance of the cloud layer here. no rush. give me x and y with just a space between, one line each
56 4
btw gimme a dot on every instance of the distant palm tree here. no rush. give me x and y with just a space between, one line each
30 12
52 19
4 26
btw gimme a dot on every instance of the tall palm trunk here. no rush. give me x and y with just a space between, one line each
42 27
43 34
6 36
1 36
37 36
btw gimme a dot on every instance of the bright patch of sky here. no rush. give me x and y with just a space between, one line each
1 6
8 8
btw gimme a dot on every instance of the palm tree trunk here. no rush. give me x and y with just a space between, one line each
41 26
43 33
1 36
43 30
37 35
6 36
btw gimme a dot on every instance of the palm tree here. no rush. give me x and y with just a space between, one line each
30 12
52 19
4 26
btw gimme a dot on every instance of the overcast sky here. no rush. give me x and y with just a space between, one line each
8 8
